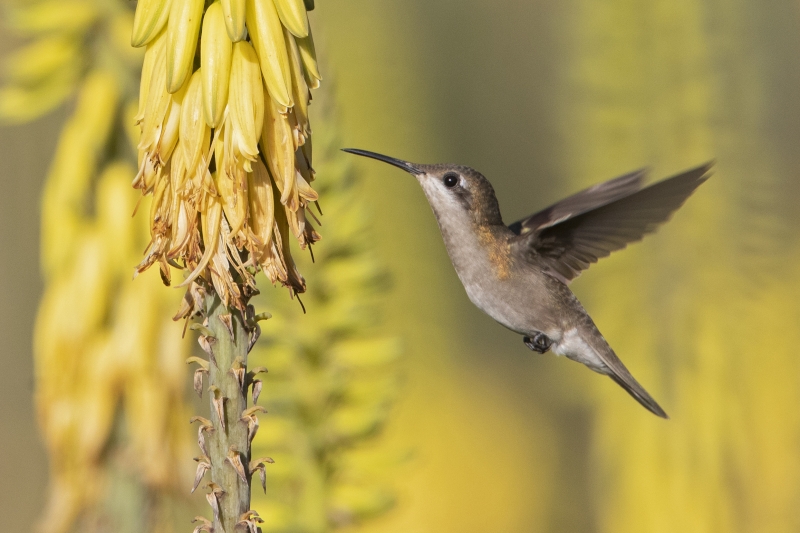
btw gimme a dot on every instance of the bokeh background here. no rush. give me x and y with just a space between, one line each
543 98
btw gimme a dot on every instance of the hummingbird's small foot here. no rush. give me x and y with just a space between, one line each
539 343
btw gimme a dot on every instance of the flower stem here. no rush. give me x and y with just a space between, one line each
229 439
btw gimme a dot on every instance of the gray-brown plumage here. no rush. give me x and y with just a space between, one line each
518 274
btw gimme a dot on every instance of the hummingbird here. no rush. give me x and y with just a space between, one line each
519 274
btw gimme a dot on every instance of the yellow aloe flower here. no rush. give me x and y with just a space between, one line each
225 147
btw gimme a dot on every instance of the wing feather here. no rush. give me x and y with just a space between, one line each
603 219
586 200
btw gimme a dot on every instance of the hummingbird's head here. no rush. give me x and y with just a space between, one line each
455 192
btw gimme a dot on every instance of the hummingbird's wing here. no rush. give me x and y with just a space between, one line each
565 240
586 200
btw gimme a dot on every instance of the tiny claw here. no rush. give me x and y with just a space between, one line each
235 460
539 343
219 404
227 322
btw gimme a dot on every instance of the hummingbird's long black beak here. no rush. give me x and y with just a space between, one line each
408 167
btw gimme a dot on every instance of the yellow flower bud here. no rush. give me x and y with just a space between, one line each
155 49
149 20
194 132
182 31
293 15
157 104
309 56
266 32
235 12
278 145
246 106
169 133
215 63
300 93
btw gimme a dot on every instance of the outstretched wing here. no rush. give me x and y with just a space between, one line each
586 200
569 236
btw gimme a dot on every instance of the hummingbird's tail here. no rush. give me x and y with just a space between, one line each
633 388
586 345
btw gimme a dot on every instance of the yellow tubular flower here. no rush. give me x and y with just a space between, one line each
309 56
153 53
182 31
224 148
293 16
234 12
150 18
266 33
215 62
246 105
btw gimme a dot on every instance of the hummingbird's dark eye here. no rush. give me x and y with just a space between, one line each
450 180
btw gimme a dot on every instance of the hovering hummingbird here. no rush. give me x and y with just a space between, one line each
519 274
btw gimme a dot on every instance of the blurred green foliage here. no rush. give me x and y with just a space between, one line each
331 382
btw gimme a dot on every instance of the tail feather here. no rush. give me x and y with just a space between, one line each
639 394
617 371
586 345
